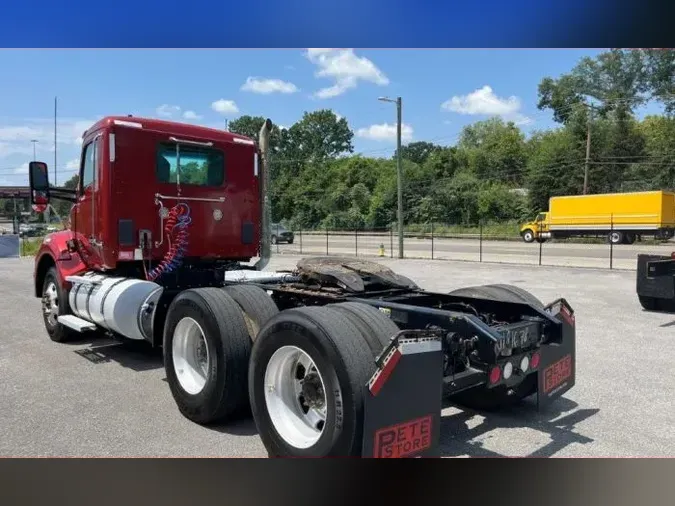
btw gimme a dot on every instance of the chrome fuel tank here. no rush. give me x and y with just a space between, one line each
125 306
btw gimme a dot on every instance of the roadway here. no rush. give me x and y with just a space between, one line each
553 254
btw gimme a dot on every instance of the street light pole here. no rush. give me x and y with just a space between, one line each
34 157
399 172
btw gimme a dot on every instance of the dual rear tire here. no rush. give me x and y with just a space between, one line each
300 372
489 399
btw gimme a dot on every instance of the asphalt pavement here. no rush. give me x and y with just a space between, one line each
100 398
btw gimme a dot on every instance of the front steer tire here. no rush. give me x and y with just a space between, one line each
345 363
57 332
225 392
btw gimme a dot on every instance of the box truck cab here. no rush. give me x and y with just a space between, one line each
537 229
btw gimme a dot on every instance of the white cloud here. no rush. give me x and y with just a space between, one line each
16 135
73 164
191 115
385 132
345 68
267 86
167 110
484 101
225 107
22 169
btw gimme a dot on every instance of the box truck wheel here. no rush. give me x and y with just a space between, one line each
528 235
615 237
206 353
629 238
307 376
257 306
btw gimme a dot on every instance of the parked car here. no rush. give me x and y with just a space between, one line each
281 234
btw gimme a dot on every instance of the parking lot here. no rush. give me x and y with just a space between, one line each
71 400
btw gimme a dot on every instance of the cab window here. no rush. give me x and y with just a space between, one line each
541 217
88 164
197 166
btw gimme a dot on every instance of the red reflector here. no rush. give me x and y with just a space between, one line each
672 255
534 361
495 375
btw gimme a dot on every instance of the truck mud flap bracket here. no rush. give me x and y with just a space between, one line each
404 399
557 370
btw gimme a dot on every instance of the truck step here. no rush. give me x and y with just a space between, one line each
75 323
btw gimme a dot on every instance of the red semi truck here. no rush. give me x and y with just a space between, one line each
169 235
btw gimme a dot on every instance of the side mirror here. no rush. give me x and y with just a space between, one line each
38 176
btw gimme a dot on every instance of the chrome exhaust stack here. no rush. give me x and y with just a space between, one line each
263 146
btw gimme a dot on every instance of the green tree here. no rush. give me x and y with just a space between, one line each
418 152
493 149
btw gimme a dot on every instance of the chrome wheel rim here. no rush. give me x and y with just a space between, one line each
50 304
295 397
190 353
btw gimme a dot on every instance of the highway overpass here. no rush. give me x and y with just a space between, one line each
8 192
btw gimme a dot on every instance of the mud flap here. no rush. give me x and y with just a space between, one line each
557 369
404 400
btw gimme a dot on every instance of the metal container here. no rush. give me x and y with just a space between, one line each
125 306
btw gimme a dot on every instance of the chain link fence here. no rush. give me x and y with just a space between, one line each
482 243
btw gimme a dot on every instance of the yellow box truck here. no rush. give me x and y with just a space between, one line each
621 217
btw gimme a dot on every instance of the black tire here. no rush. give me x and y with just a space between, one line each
375 327
57 332
657 304
257 306
527 235
615 237
344 360
290 241
629 238
500 292
274 239
484 399
648 303
225 393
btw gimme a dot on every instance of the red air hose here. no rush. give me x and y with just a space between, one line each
177 221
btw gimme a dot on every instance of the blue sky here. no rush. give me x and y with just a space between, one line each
442 90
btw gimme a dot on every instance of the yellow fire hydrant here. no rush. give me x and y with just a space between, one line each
381 253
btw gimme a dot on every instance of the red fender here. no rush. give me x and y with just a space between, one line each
54 251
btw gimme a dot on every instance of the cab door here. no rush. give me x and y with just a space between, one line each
88 204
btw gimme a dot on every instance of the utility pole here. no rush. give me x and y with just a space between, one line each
588 147
55 173
399 171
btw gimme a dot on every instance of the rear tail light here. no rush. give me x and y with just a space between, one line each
495 375
525 363
508 370
534 361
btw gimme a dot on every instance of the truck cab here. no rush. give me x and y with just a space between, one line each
537 229
133 173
